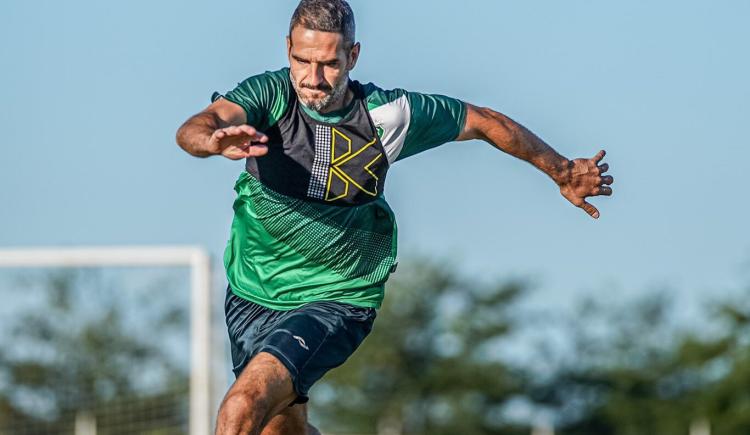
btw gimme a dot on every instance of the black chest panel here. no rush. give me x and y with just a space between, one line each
340 164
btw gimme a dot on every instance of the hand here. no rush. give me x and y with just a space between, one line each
583 178
238 142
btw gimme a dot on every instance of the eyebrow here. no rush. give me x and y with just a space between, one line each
324 62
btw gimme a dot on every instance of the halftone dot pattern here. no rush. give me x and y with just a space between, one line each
321 163
308 229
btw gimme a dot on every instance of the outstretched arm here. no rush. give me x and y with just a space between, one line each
577 179
221 129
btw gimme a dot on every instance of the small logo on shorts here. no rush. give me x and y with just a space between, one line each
301 341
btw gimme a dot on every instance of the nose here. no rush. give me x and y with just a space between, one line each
316 74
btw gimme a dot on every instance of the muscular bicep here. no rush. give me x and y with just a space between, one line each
475 120
488 125
226 113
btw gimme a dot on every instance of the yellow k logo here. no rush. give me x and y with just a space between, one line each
343 165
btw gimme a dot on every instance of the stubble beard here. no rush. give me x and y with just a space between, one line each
334 96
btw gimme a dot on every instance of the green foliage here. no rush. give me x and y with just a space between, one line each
68 356
642 374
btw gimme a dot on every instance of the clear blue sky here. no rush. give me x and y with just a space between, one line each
92 93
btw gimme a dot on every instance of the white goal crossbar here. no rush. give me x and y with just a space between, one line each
200 305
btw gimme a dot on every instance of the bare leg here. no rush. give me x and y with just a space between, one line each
263 390
291 421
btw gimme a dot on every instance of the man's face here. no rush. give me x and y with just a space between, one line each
319 64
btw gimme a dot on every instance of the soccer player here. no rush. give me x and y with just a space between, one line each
313 239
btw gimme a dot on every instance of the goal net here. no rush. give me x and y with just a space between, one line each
105 341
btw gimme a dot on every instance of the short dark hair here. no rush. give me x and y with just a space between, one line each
333 16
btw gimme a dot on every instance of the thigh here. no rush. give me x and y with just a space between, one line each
317 337
248 326
260 392
308 341
266 383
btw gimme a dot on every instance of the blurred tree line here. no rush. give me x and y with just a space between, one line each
66 359
440 360
434 364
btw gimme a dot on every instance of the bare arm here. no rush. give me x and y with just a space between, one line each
220 129
577 179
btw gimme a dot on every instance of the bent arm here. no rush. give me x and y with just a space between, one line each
194 136
577 179
513 138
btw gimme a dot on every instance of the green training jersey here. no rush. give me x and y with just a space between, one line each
311 221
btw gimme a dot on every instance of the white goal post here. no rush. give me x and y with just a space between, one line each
200 304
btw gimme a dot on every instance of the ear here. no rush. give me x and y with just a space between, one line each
353 56
288 47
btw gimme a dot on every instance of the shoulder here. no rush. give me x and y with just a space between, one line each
376 97
409 104
269 82
265 96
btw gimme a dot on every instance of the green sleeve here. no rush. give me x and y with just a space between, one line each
264 97
435 120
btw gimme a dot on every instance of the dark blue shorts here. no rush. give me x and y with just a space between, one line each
309 340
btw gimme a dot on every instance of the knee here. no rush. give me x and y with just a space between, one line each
240 403
242 412
261 391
